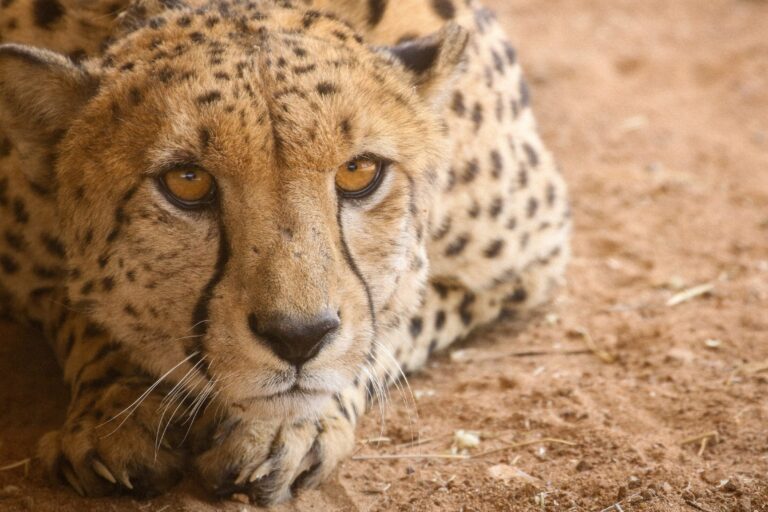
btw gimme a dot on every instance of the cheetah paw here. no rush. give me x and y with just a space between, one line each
104 449
269 461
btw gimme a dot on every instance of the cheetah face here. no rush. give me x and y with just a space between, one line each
243 196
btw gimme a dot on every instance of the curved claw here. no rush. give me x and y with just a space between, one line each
103 471
69 475
126 481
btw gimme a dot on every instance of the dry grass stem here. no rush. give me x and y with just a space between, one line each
601 353
690 293
22 463
376 440
394 456
522 444
714 434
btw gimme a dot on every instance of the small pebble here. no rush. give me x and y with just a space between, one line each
583 465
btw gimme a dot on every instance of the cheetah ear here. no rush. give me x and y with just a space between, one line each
435 60
41 93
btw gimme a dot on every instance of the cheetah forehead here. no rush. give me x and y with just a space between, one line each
306 77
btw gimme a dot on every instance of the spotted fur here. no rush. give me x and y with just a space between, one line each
155 312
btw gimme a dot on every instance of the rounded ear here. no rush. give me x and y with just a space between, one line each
435 60
41 92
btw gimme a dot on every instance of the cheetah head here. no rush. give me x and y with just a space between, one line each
243 195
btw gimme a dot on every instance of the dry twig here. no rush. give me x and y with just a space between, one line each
603 354
395 456
22 463
690 293
522 444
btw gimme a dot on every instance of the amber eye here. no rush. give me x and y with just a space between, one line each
189 187
359 177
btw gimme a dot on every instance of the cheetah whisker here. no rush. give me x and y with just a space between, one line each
128 411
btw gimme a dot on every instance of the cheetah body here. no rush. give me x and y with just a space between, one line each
470 222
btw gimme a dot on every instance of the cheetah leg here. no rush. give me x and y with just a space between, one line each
107 444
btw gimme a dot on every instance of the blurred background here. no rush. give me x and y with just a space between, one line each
646 383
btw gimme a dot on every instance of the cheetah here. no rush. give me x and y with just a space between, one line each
238 222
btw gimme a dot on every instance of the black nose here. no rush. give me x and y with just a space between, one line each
295 340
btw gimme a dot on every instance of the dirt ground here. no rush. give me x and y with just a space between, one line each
658 112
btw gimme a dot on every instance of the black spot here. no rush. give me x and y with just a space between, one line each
477 115
525 93
134 95
417 323
376 10
48 272
533 206
444 9
497 205
128 66
511 223
204 135
208 98
551 194
47 12
471 171
432 347
8 264
464 308
107 284
156 23
345 127
53 245
530 153
457 246
341 36
439 319
20 211
197 37
300 70
458 104
299 52
494 249
326 88
15 241
440 289
522 177
509 51
519 295
497 62
184 21
497 165
309 19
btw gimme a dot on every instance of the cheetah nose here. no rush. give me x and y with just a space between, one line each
295 340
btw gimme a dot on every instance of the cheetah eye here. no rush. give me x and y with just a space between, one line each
359 177
188 187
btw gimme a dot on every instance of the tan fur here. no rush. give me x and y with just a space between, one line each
469 223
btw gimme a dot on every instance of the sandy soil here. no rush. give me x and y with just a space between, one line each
658 112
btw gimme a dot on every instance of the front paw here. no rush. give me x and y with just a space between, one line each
270 460
108 445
